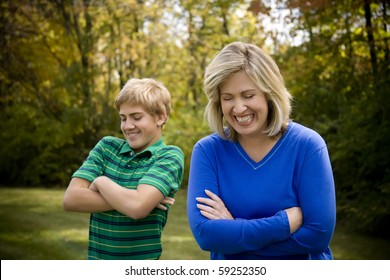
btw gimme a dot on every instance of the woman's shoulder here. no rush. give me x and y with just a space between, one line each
214 144
301 133
210 140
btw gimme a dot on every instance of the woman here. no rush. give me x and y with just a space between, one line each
261 186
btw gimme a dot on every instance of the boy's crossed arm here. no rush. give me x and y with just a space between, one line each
137 203
103 194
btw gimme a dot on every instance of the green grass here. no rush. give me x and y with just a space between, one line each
33 225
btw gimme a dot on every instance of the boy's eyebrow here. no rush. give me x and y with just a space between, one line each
131 114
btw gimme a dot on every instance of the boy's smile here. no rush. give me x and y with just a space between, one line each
139 127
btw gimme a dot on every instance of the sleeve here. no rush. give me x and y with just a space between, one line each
166 174
227 236
316 193
93 166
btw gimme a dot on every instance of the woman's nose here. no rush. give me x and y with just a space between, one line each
239 107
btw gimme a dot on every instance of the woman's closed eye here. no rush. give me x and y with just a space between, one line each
226 97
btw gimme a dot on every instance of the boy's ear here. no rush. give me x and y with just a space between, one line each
161 119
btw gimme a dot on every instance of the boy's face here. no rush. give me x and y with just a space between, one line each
140 128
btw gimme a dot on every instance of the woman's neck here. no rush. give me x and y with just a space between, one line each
257 147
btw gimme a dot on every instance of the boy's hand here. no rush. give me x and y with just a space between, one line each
167 200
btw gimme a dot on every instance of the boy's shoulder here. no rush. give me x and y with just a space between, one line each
112 139
112 142
171 149
171 155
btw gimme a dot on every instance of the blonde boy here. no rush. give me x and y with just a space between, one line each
128 184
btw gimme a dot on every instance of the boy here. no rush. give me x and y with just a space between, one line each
128 185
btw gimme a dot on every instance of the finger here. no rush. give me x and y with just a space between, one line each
209 215
214 208
206 208
162 207
207 201
214 197
168 200
212 203
210 210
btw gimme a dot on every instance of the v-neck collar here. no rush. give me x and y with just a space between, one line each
256 165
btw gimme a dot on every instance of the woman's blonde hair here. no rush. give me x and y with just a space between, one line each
264 73
149 93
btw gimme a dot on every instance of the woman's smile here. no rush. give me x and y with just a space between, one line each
244 120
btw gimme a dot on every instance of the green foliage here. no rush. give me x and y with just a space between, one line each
338 93
184 130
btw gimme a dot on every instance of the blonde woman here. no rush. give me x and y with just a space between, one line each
261 186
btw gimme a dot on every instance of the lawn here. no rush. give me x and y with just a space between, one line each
33 225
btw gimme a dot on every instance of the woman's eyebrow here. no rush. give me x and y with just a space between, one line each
244 91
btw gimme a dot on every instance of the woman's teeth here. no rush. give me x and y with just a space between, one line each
244 119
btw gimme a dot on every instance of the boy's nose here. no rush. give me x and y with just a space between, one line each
129 125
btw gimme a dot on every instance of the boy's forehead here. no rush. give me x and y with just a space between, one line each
128 108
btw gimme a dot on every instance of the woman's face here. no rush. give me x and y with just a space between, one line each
244 106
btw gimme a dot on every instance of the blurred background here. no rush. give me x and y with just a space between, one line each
63 62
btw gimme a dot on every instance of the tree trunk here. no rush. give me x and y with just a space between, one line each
370 38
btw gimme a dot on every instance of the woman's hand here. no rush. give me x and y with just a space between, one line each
213 207
295 218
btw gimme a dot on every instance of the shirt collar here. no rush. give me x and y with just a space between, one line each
149 150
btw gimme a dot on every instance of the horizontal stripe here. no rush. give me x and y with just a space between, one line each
124 246
125 254
129 223
124 231
126 238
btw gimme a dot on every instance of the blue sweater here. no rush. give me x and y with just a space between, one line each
296 172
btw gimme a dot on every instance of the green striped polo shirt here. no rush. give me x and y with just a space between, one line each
113 235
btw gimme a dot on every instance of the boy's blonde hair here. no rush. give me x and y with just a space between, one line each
152 95
264 73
